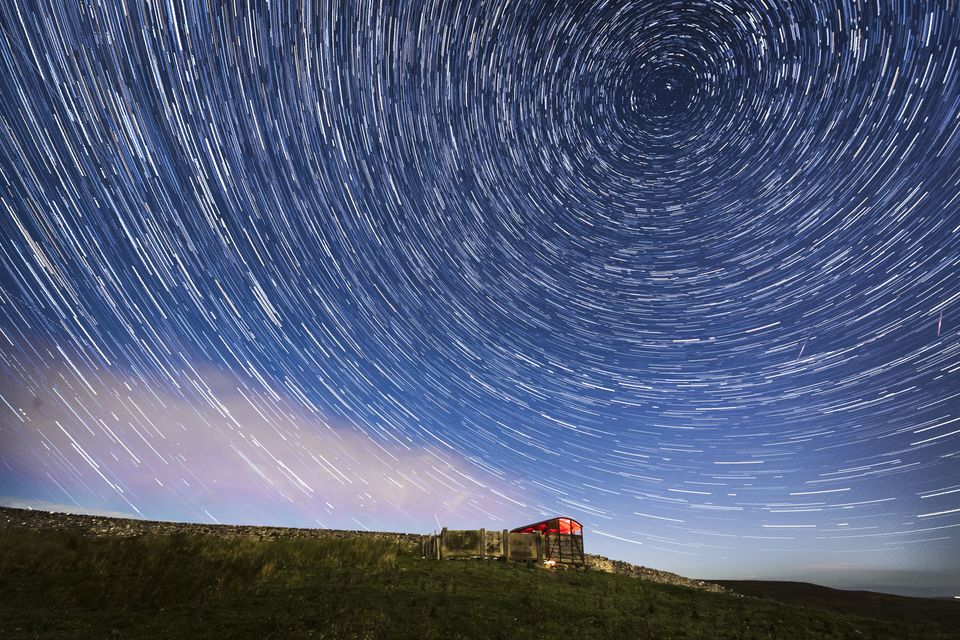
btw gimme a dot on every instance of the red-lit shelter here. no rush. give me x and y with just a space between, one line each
563 538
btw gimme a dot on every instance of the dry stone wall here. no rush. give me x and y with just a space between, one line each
602 563
126 527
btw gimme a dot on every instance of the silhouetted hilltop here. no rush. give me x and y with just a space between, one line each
862 603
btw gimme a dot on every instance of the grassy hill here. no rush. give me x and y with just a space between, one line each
943 611
183 583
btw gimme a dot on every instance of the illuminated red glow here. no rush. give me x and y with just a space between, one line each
553 526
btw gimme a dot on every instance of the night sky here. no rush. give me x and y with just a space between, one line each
686 271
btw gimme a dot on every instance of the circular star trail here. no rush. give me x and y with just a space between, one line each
686 270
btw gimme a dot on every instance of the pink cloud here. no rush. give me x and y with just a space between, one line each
223 449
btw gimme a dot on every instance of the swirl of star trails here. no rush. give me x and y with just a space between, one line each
687 270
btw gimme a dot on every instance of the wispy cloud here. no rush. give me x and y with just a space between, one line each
221 449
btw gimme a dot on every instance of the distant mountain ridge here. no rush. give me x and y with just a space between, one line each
871 604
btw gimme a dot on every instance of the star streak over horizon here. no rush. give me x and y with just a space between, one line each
686 271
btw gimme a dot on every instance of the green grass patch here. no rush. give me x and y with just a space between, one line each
64 585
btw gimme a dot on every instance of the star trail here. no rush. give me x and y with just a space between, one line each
687 271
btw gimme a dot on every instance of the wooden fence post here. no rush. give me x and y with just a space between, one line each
539 547
505 545
483 544
443 541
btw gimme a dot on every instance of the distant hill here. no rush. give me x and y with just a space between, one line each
64 576
863 603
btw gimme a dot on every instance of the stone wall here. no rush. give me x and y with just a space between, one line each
601 563
125 527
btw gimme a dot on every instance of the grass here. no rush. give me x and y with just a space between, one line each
64 585
861 603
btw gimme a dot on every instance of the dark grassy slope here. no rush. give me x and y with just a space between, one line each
862 603
68 584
